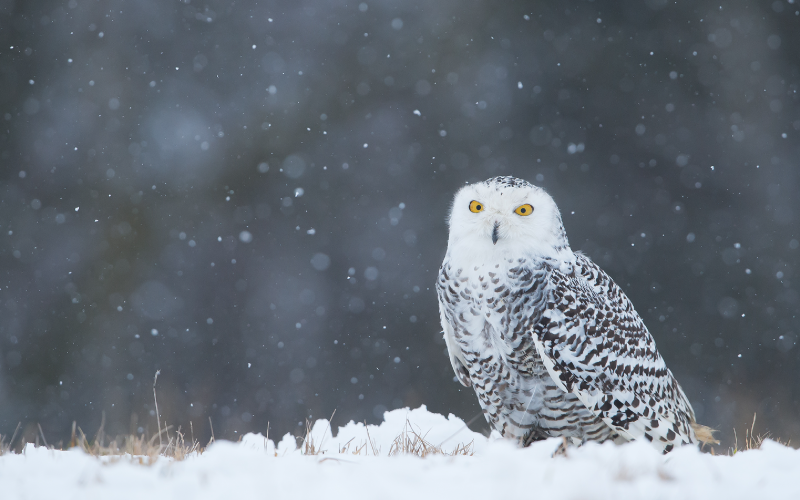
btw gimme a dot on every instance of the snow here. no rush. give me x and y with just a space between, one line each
356 464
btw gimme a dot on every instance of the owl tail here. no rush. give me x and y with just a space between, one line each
704 434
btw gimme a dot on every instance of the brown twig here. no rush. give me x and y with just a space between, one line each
158 419
42 433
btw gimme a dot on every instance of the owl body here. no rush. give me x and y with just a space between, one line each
551 345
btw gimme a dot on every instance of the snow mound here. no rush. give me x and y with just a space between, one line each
365 462
445 435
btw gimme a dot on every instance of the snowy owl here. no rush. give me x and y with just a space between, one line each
551 344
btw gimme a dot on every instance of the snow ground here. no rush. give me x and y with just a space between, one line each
256 468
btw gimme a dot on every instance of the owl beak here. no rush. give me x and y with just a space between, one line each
495 236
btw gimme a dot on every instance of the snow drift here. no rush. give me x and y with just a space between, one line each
368 462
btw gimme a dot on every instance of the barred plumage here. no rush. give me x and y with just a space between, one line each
551 345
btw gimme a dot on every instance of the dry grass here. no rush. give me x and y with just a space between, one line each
174 444
752 441
5 447
410 441
146 451
142 449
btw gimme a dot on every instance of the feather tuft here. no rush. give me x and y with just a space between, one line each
704 434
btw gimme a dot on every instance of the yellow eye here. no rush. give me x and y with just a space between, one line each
475 206
525 209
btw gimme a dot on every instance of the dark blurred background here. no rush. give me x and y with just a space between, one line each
251 197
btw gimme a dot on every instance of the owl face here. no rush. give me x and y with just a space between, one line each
505 215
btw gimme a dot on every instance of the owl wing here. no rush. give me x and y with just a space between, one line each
594 345
455 354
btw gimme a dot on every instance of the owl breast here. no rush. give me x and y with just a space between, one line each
491 310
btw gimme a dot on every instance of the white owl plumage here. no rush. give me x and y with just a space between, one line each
551 345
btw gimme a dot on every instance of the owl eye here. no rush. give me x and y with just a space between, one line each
475 206
525 209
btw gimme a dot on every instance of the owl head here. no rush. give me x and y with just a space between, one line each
508 216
